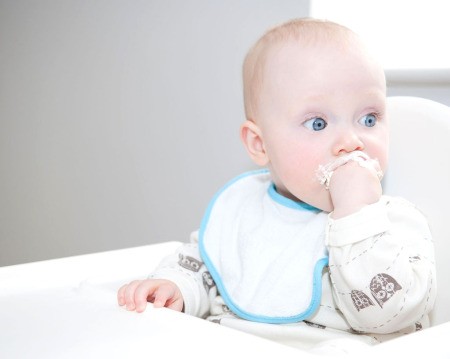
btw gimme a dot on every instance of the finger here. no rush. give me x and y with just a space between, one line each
162 295
377 168
175 305
129 294
121 295
143 293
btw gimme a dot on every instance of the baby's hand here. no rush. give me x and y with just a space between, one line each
353 186
160 292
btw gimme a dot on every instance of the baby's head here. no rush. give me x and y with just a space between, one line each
312 93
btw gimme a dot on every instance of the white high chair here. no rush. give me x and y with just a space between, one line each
419 171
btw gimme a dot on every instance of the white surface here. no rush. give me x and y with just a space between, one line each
419 170
67 308
399 29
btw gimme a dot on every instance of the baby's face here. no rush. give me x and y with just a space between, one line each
317 104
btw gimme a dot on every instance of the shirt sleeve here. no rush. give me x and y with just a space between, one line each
186 269
381 264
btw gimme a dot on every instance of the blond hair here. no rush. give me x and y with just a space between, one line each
306 30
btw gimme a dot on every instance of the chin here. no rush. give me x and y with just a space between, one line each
324 204
328 209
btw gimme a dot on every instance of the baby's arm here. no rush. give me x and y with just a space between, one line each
181 282
162 293
381 263
381 255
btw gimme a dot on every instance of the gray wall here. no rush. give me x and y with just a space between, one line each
433 84
119 119
438 93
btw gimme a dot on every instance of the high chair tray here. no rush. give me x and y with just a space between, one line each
67 308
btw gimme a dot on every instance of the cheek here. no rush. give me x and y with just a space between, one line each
294 160
294 157
300 171
378 147
383 162
383 156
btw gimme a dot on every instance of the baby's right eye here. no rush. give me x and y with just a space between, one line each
315 124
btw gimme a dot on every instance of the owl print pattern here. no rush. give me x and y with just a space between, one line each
383 287
208 281
189 263
360 299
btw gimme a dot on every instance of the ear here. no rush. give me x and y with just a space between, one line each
251 136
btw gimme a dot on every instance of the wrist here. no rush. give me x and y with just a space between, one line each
348 208
367 222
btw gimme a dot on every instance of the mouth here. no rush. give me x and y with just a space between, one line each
325 172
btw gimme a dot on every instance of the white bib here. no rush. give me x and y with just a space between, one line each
265 252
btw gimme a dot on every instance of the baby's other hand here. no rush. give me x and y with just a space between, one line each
352 187
160 292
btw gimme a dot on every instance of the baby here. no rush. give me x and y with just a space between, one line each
307 249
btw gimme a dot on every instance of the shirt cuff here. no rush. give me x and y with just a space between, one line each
367 222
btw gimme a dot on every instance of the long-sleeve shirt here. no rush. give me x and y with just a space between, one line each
380 281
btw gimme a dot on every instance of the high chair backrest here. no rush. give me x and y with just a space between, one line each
419 171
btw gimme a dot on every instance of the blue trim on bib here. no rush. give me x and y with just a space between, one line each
287 202
318 268
314 304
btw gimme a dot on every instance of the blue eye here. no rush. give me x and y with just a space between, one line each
315 124
368 120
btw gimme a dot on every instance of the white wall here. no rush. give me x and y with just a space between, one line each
119 119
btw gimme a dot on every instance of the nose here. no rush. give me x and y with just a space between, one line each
346 142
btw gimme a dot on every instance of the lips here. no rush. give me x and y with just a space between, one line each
324 172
